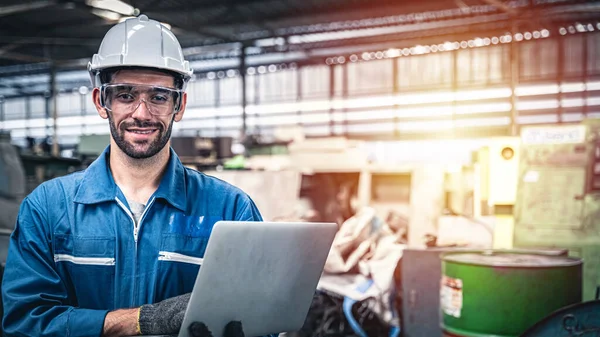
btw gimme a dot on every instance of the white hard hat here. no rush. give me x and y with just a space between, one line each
139 42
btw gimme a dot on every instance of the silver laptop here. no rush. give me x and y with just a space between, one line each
263 274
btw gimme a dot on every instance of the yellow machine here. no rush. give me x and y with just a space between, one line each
558 195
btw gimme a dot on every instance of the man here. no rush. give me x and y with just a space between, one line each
91 250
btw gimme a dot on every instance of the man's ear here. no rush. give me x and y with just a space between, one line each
179 114
96 97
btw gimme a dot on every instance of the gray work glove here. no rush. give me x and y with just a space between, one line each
166 317
163 318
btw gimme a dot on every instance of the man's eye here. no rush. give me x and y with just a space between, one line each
160 98
125 96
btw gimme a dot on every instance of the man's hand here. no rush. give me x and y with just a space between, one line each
232 329
166 317
120 323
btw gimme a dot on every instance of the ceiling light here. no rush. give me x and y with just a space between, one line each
116 6
392 52
108 15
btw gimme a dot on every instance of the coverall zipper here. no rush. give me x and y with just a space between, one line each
136 229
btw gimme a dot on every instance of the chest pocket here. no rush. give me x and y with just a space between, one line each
181 253
179 260
87 264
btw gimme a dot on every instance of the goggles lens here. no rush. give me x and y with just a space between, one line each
126 98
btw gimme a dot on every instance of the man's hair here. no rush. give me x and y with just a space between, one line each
107 75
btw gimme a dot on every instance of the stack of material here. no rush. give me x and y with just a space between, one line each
334 153
365 250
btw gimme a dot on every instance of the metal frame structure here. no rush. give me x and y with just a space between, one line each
336 51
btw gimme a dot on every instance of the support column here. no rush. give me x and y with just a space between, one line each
244 92
395 93
299 96
217 98
345 95
331 96
514 80
584 73
2 117
560 75
54 98
27 115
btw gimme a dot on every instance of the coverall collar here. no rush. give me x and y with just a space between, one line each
98 185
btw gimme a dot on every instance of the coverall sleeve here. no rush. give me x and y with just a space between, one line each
35 298
249 211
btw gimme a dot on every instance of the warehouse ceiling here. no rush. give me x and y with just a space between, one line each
69 32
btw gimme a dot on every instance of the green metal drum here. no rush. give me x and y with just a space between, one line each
501 294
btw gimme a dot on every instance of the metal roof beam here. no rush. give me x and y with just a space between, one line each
502 6
66 41
200 6
26 7
21 57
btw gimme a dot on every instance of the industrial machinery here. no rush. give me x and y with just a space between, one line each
12 183
12 191
558 195
201 152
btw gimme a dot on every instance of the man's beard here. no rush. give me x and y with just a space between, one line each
130 149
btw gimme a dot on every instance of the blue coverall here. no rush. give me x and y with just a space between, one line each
75 253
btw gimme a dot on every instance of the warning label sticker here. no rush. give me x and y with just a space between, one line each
451 296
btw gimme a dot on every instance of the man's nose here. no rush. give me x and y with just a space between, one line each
142 111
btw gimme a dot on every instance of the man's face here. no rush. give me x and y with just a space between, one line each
141 134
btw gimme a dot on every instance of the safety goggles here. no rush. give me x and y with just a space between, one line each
126 98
